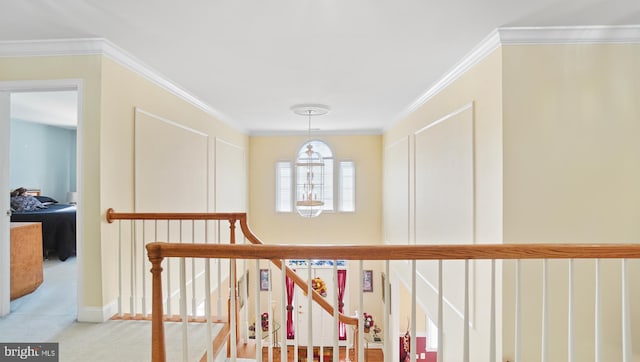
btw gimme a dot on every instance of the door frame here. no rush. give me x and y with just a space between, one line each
6 88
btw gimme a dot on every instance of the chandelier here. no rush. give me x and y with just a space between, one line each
309 168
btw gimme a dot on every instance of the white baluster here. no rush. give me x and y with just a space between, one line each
270 317
258 327
440 314
207 297
361 316
309 314
283 311
492 327
167 262
598 322
132 270
194 301
413 345
545 311
219 267
387 311
465 352
120 287
335 312
627 348
518 332
143 271
570 316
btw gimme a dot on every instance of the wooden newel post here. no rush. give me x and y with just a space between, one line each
158 352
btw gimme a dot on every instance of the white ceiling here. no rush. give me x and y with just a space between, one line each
56 108
369 61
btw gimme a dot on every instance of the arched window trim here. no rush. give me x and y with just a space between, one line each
332 204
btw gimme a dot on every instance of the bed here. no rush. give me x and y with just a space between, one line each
58 228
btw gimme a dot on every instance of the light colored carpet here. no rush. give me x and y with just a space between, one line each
49 315
127 341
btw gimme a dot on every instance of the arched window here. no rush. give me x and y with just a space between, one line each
341 196
326 193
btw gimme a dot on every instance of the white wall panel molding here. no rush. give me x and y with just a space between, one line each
165 151
229 186
443 168
398 185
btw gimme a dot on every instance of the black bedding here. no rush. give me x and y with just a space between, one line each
58 228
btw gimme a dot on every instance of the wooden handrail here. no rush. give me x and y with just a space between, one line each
399 252
112 215
232 217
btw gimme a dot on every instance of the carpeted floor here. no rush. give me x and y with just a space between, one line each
49 315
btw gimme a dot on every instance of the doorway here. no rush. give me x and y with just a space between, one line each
21 88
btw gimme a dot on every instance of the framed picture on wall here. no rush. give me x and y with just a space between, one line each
265 283
367 280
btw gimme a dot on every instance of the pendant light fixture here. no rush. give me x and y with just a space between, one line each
309 169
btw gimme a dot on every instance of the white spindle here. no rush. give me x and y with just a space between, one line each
440 314
465 352
545 311
256 310
361 316
387 312
207 297
598 322
518 333
413 345
219 274
183 311
194 301
492 327
570 316
336 334
120 287
270 316
183 302
283 311
143 271
132 271
168 275
296 319
627 347
309 314
233 321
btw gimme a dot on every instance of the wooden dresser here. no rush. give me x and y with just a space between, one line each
26 258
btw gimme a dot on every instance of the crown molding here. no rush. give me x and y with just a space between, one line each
101 46
320 133
51 47
626 34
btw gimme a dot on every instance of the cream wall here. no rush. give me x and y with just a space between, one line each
571 174
122 92
360 227
556 159
87 69
476 98
110 93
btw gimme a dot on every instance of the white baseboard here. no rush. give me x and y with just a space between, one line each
97 314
